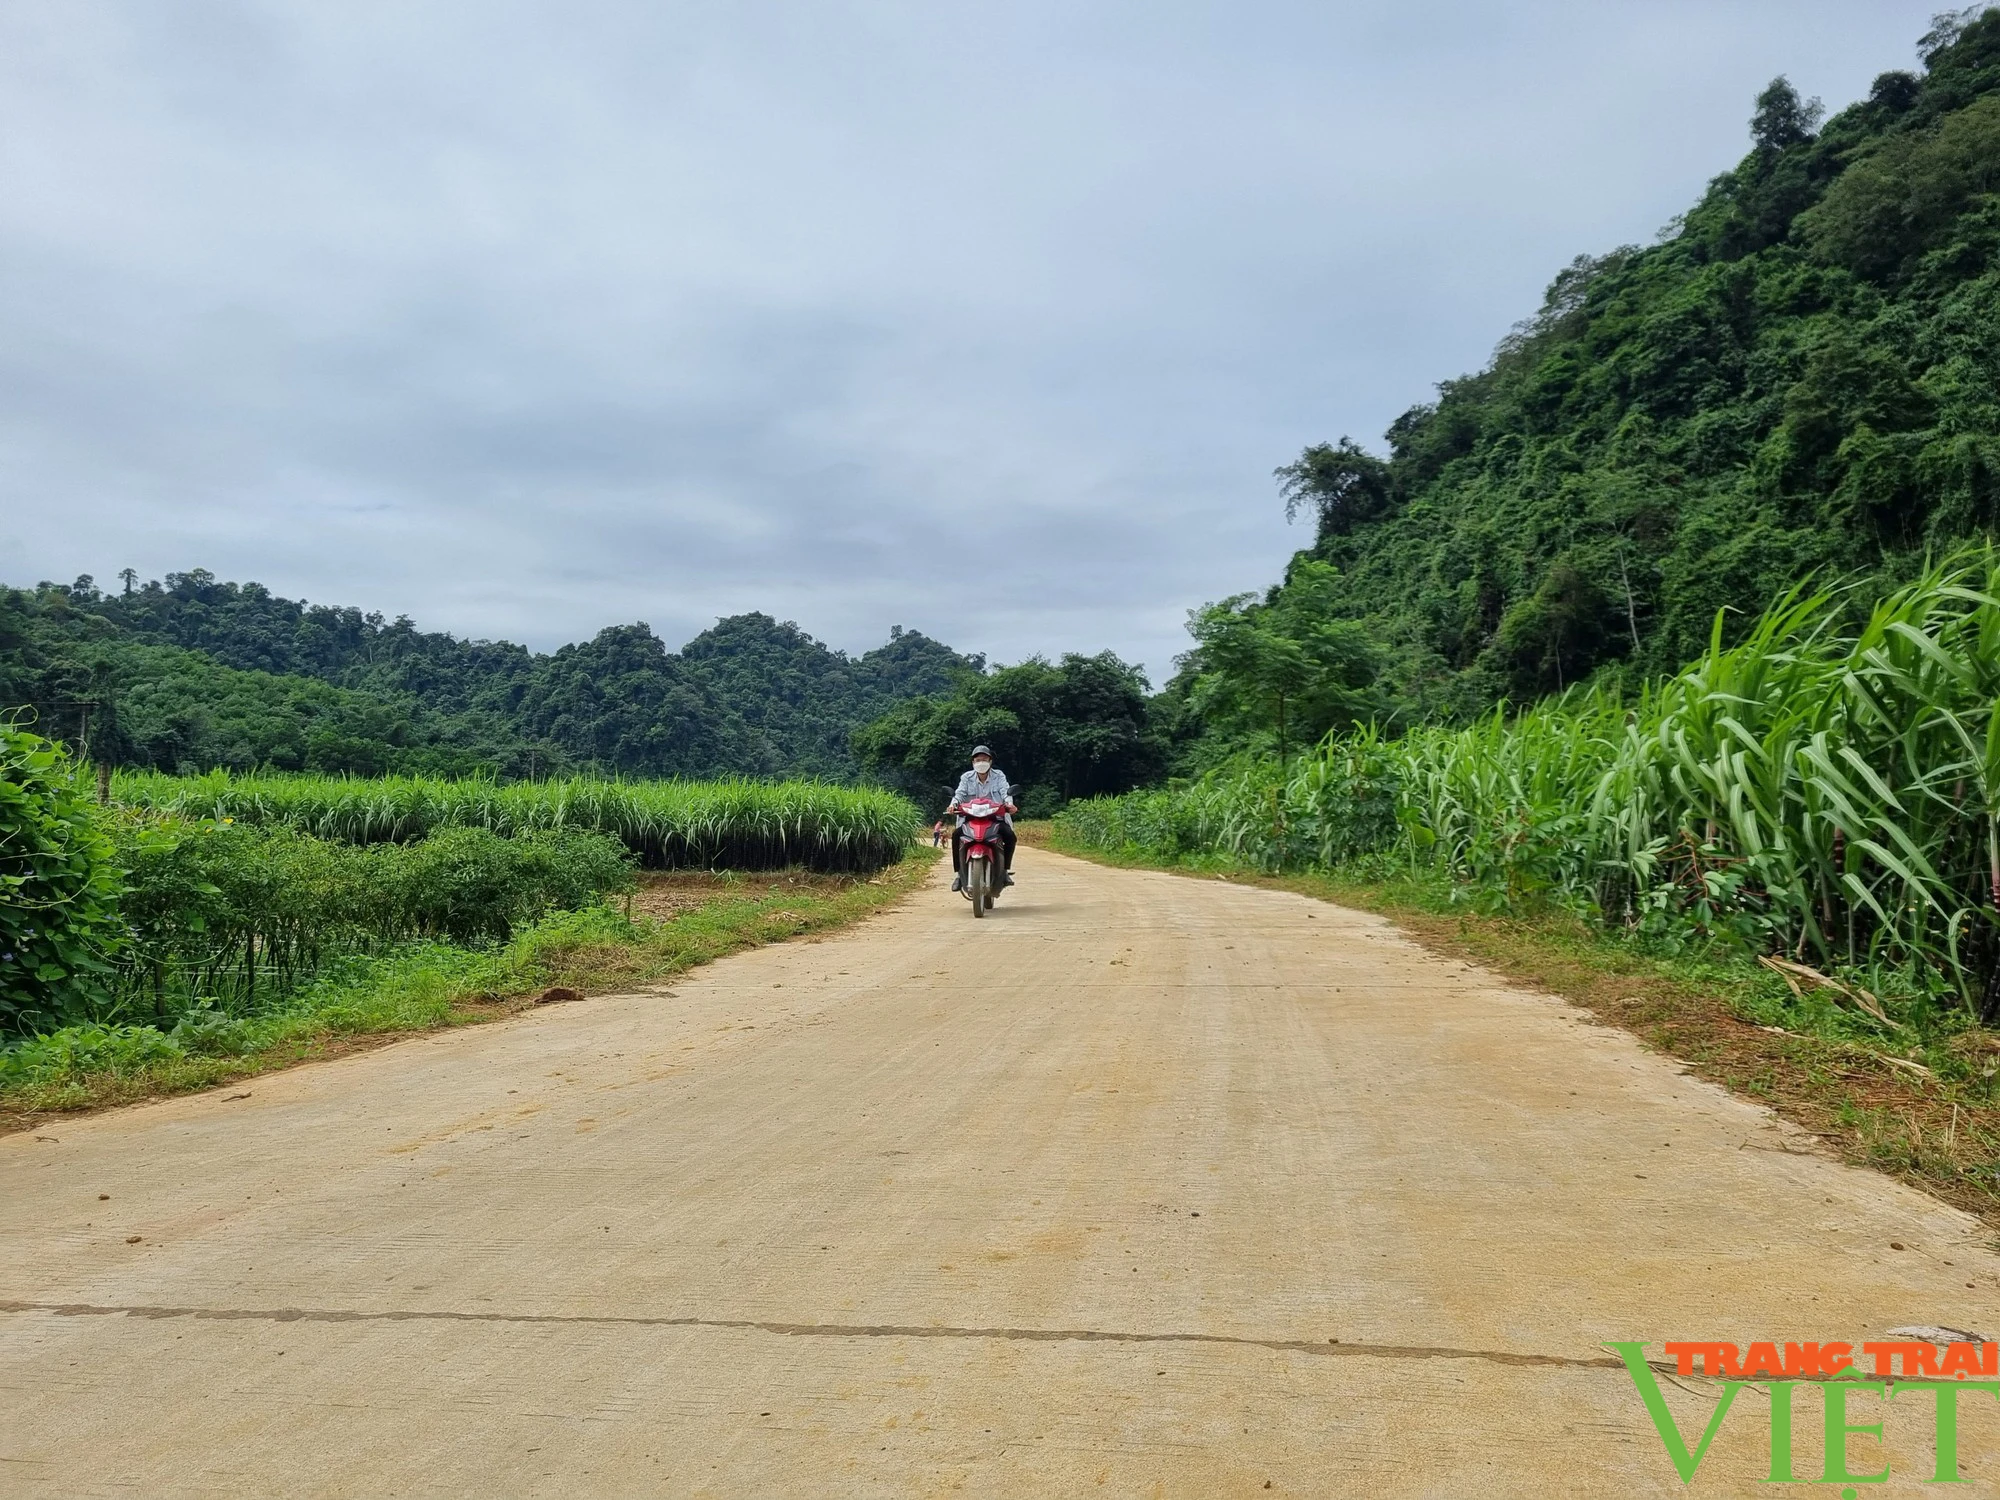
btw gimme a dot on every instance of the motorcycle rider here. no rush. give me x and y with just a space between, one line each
983 781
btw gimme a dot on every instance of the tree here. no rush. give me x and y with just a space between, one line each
1782 119
1895 91
1343 484
1079 728
1287 665
1947 26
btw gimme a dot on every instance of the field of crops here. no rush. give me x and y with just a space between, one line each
740 825
212 901
1828 790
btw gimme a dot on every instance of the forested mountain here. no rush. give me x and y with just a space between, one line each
806 701
192 673
1801 378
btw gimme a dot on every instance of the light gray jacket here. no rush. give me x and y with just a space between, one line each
994 788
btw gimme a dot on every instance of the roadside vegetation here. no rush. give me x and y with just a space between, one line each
1826 797
666 825
207 930
1804 828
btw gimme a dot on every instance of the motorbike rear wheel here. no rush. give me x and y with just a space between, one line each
975 886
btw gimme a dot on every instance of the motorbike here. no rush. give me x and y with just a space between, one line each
981 851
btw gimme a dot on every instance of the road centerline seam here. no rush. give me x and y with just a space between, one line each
1327 1349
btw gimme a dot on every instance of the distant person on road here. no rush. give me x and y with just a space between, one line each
937 834
983 781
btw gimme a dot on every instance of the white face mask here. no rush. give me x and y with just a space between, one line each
981 767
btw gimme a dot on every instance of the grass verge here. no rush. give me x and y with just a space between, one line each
674 923
1934 1125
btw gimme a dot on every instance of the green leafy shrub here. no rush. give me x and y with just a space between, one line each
206 1030
58 886
223 911
471 886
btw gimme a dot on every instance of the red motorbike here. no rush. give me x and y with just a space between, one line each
984 859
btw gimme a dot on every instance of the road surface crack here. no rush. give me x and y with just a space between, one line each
1325 1349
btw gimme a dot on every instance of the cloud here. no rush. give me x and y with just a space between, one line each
990 321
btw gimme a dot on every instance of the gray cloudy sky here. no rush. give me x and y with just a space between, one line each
528 319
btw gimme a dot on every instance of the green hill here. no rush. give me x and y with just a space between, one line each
1802 375
192 673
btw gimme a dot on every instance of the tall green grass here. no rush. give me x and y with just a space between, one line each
742 825
1827 789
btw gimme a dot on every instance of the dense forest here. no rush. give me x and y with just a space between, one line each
192 673
1800 378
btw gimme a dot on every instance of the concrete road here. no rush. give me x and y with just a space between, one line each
1146 1186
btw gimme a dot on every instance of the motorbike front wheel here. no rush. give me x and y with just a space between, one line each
975 885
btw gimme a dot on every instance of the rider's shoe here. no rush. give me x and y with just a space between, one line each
958 882
1006 879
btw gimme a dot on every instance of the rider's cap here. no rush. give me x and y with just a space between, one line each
982 750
